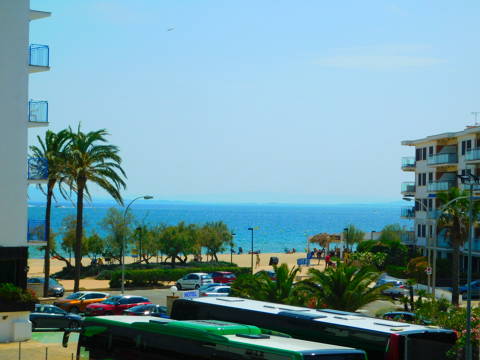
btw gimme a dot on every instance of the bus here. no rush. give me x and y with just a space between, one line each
381 339
147 338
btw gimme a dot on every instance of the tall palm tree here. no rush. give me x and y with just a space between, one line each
455 219
91 159
344 287
51 148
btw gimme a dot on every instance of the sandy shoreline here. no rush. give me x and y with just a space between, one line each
244 260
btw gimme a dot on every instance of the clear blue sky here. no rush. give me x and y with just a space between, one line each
288 101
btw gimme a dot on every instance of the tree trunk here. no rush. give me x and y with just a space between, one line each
51 184
78 237
455 269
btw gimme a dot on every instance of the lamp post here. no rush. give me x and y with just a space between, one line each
231 249
470 180
145 197
251 229
371 234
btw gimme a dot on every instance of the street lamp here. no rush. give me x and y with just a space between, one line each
471 180
145 197
251 229
231 249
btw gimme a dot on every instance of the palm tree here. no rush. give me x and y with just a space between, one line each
454 218
261 287
344 287
51 148
90 159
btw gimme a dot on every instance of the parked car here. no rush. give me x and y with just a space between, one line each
149 309
193 281
36 285
397 287
77 302
50 316
223 277
216 291
205 287
115 305
404 316
475 286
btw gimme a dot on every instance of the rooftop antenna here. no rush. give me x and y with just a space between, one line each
475 113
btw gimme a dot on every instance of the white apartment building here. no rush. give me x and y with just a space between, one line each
437 162
18 60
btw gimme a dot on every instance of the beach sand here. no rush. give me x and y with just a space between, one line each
244 260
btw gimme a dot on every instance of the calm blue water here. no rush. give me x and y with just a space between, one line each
280 226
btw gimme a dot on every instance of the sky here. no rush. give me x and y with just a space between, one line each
301 101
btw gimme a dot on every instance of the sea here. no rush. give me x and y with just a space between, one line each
277 226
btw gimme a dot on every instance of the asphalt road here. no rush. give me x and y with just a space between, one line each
156 296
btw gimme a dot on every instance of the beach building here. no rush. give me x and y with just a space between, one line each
19 60
437 162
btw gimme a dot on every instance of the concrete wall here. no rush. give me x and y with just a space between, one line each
15 326
14 28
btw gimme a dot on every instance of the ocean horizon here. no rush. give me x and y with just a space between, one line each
279 225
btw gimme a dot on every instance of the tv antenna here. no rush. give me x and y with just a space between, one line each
475 113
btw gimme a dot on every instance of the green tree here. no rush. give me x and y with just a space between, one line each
344 287
117 228
455 219
67 244
51 148
178 240
146 241
392 232
353 235
215 236
91 159
95 245
260 286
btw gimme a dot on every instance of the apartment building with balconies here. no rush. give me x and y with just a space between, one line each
437 161
17 113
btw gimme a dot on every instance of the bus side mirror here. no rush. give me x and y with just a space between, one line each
66 335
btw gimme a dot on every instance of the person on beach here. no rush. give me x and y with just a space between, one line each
257 263
240 250
327 261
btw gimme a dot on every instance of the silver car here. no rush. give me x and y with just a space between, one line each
36 285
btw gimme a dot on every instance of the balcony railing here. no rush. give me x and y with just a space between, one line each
38 111
407 212
440 185
37 169
408 187
433 214
440 159
37 231
39 55
472 155
408 163
408 238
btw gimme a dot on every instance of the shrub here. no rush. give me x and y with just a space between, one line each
396 271
105 275
153 277
10 293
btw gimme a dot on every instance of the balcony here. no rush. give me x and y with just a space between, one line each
472 155
441 185
408 188
36 232
37 170
408 238
407 212
408 163
39 58
37 113
433 214
442 159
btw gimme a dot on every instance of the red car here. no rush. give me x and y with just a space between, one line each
115 305
223 277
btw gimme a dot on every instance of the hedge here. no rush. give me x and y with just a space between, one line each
154 277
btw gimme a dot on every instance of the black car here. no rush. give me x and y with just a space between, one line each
148 309
52 317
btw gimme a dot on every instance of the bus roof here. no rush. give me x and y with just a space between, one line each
342 318
221 331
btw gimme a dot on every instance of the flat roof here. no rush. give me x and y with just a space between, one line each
469 130
342 318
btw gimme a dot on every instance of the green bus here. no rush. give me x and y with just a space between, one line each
148 338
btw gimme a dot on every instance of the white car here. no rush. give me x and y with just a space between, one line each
193 281
216 291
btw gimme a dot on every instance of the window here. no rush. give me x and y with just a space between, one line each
430 230
425 204
424 153
430 150
419 230
463 147
424 178
419 181
424 230
124 301
430 177
430 204
418 154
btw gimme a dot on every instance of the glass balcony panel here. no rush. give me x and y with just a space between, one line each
438 159
473 154
440 185
433 214
37 169
38 111
39 55
407 212
408 238
408 162
408 187
36 231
